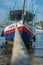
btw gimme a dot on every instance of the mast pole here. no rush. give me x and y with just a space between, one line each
24 11
24 6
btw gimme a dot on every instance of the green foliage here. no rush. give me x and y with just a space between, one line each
39 23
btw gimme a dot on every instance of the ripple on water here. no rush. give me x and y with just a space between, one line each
37 56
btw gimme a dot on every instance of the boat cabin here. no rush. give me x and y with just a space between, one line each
17 14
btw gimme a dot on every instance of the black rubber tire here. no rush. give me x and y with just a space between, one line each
34 38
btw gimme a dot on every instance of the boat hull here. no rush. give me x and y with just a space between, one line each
26 35
25 30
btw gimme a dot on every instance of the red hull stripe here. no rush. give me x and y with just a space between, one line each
19 28
13 30
10 31
28 32
24 29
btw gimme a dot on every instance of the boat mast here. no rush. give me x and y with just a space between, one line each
24 6
24 11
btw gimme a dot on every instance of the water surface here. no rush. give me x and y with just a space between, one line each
37 56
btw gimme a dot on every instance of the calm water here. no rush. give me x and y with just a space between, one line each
2 39
37 56
39 44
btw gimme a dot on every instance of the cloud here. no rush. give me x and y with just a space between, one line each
38 12
9 3
2 10
2 16
5 6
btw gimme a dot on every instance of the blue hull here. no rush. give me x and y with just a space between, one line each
26 37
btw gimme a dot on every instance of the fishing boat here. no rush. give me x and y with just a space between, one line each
22 20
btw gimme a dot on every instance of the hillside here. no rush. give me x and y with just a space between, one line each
39 23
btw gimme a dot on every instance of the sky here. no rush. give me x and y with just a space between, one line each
6 5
